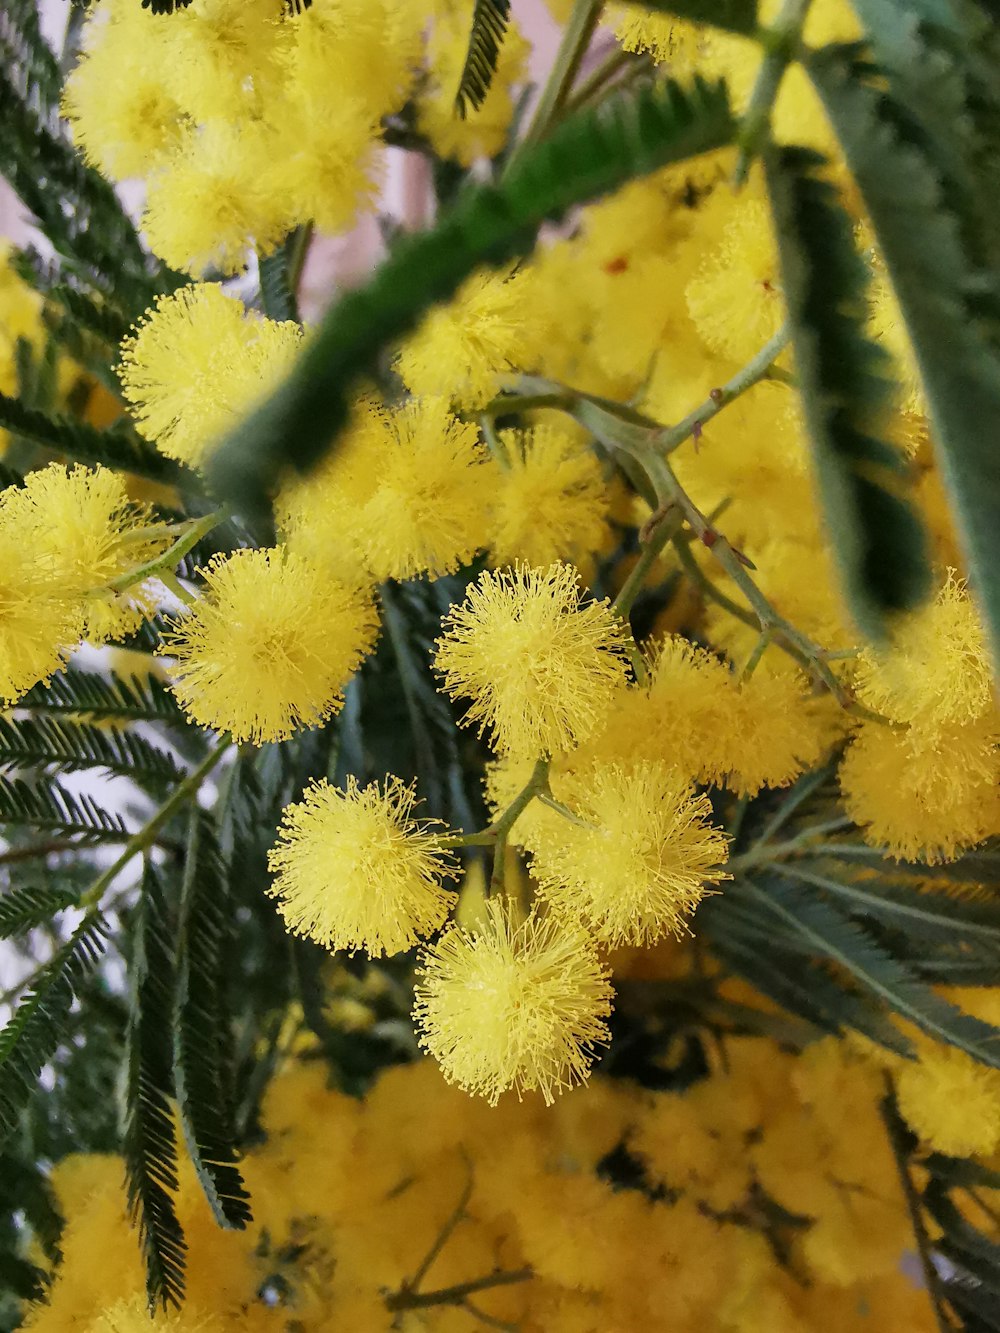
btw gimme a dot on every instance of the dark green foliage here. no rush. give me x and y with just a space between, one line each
22 909
149 1146
31 1037
276 296
843 379
28 58
57 745
48 806
77 441
202 1038
105 697
489 27
588 155
948 294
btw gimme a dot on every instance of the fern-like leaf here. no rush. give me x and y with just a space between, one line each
149 1143
588 155
50 807
29 58
948 296
56 745
31 1037
115 448
489 27
844 382
107 697
23 909
843 941
202 1066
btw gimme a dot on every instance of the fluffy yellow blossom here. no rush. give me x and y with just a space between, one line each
772 732
514 1005
85 531
404 494
951 1101
132 1316
735 300
354 870
196 363
634 859
221 54
222 173
124 126
461 349
39 624
936 670
538 665
923 799
549 500
670 41
269 646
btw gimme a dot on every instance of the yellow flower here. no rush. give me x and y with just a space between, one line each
735 300
549 500
39 624
671 41
355 870
132 1316
926 799
196 363
771 732
936 670
634 860
951 1101
80 523
461 349
513 1005
538 666
270 645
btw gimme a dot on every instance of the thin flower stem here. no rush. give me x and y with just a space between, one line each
575 39
422 1300
896 1134
537 783
597 82
298 251
507 403
168 561
759 649
663 530
780 42
563 810
763 855
443 1236
184 792
756 369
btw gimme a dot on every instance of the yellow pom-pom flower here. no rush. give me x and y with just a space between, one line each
735 300
927 800
538 666
513 1005
195 365
132 1316
951 1101
772 732
38 623
354 870
461 349
85 530
269 647
549 500
634 860
936 670
670 41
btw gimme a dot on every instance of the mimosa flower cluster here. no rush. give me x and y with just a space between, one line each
736 1204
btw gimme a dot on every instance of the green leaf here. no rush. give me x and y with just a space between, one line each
29 58
202 1040
55 744
149 1144
846 943
843 379
32 1036
276 295
107 697
489 27
49 806
948 300
23 909
588 155
116 448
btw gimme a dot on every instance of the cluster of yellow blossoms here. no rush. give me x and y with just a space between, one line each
737 1206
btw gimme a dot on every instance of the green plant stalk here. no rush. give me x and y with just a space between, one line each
184 791
170 558
576 38
780 41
